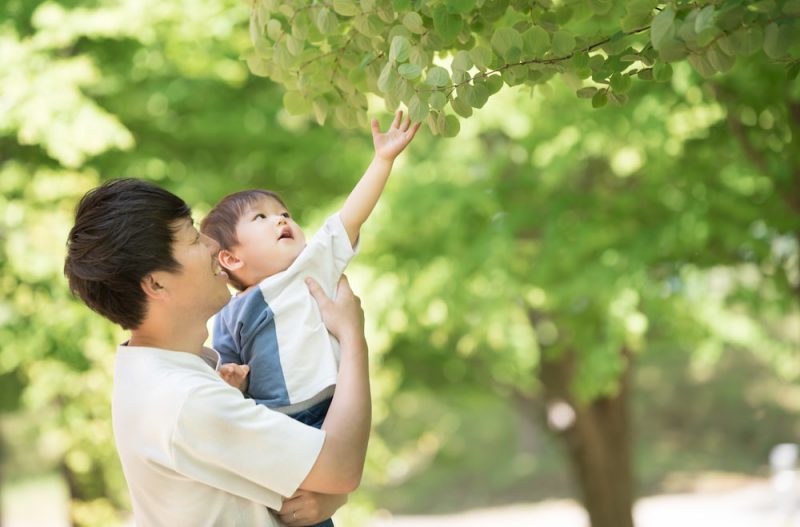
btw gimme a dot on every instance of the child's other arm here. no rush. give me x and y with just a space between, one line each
364 197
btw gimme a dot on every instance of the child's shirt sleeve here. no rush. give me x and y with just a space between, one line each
327 254
223 341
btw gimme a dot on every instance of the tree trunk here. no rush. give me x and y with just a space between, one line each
598 443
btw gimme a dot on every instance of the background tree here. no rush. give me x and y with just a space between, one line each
443 58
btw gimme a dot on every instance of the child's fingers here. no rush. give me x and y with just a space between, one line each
405 124
413 131
376 127
397 119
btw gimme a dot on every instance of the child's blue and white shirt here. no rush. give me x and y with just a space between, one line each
276 328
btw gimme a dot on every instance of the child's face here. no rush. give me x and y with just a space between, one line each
269 240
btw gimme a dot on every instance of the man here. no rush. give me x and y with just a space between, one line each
193 449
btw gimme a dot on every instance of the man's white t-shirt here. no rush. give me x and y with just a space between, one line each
194 450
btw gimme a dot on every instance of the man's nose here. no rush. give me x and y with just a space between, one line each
211 243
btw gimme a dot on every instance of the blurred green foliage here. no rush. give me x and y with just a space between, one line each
668 227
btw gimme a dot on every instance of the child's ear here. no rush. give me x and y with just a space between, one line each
229 261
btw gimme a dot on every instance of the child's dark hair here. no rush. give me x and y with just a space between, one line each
220 224
124 230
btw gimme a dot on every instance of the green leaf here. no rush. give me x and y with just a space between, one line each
461 107
321 108
672 50
728 45
437 76
599 99
777 40
437 100
663 27
283 57
536 41
460 6
326 21
506 39
368 25
274 29
662 72
413 22
638 15
719 59
447 25
460 76
418 56
294 45
417 109
586 93
409 71
399 49
433 122
263 47
620 83
619 99
600 7
702 65
514 75
346 7
296 103
563 43
792 70
481 56
258 65
747 40
477 95
451 126
387 81
494 83
704 19
462 61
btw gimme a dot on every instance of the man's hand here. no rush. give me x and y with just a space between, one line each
235 375
307 508
388 145
343 317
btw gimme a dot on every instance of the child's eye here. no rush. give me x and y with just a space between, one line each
286 215
259 216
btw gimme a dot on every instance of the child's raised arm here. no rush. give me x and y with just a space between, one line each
362 199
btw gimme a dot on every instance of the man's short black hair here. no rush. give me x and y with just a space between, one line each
124 230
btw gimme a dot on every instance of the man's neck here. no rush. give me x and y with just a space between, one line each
172 338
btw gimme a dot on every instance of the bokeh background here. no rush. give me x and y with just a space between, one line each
554 289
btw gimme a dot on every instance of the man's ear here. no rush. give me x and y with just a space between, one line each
152 287
229 261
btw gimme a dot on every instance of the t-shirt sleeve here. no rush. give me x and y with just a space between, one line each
330 249
223 341
246 449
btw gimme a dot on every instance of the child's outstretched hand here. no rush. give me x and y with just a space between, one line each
388 145
235 375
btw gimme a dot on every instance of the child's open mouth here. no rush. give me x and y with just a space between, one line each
286 232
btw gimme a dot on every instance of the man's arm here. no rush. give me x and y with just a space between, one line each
341 461
364 197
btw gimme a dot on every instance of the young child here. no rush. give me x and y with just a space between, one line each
272 329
